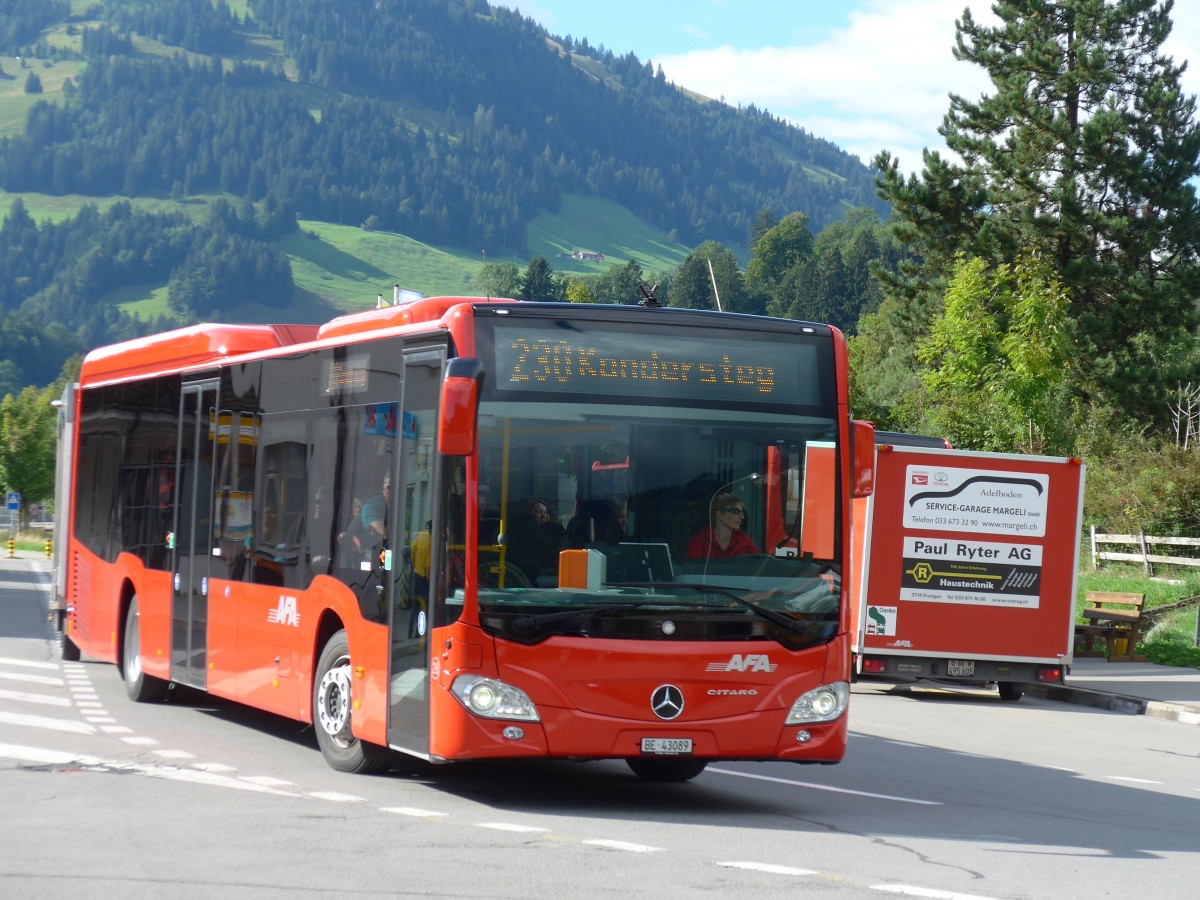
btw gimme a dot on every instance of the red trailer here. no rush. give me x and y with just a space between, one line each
965 567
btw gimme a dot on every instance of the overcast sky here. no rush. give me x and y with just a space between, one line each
868 75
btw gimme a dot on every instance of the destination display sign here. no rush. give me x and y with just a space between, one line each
545 357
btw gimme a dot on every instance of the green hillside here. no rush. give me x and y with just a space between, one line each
340 268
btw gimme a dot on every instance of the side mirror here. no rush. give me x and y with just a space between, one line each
862 475
457 431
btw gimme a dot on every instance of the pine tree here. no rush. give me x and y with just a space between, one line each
1084 151
539 282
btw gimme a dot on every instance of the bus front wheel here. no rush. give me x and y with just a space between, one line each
140 687
331 714
665 769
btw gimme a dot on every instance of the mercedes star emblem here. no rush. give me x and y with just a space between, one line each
667 701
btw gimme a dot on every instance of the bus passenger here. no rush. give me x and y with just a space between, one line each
374 514
421 547
536 542
352 542
723 536
597 522
617 529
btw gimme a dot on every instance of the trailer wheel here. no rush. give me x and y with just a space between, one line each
665 769
140 687
331 714
67 648
1010 690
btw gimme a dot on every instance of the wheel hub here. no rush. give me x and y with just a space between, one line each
333 706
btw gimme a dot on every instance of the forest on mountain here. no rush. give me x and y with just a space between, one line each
448 121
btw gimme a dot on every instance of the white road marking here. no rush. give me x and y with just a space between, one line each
625 845
767 867
174 754
336 797
46 722
1134 780
27 663
31 679
510 826
824 787
42 755
413 811
44 699
267 780
910 891
214 767
138 741
98 720
24 586
197 777
57 757
116 729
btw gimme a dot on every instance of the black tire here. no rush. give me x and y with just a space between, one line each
1010 690
140 687
67 649
665 769
331 714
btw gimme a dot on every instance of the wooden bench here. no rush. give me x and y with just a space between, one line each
1112 616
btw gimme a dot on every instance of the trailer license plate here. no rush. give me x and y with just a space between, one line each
961 668
667 746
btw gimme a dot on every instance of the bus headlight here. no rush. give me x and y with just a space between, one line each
823 704
493 699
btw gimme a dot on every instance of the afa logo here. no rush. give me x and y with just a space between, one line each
744 662
285 613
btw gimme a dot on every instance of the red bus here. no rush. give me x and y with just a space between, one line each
364 525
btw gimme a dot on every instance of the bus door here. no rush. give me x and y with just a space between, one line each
192 534
416 601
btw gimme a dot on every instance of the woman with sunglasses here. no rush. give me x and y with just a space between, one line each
723 536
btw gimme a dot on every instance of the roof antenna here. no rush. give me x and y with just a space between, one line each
648 298
716 293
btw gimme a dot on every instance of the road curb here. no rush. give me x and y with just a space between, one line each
1188 715
1135 706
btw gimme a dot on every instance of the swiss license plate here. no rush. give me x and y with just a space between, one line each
667 746
961 668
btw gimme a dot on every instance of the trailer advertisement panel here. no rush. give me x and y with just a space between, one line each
968 556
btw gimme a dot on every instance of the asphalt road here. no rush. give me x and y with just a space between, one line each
951 794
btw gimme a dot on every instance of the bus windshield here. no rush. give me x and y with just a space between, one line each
707 507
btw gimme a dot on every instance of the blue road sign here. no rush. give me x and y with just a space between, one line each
14 501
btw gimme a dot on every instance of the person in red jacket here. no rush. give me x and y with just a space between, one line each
723 536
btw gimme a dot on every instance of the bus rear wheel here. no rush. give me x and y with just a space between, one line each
140 687
331 714
665 769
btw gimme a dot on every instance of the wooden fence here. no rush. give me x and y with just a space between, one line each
1144 549
1144 545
